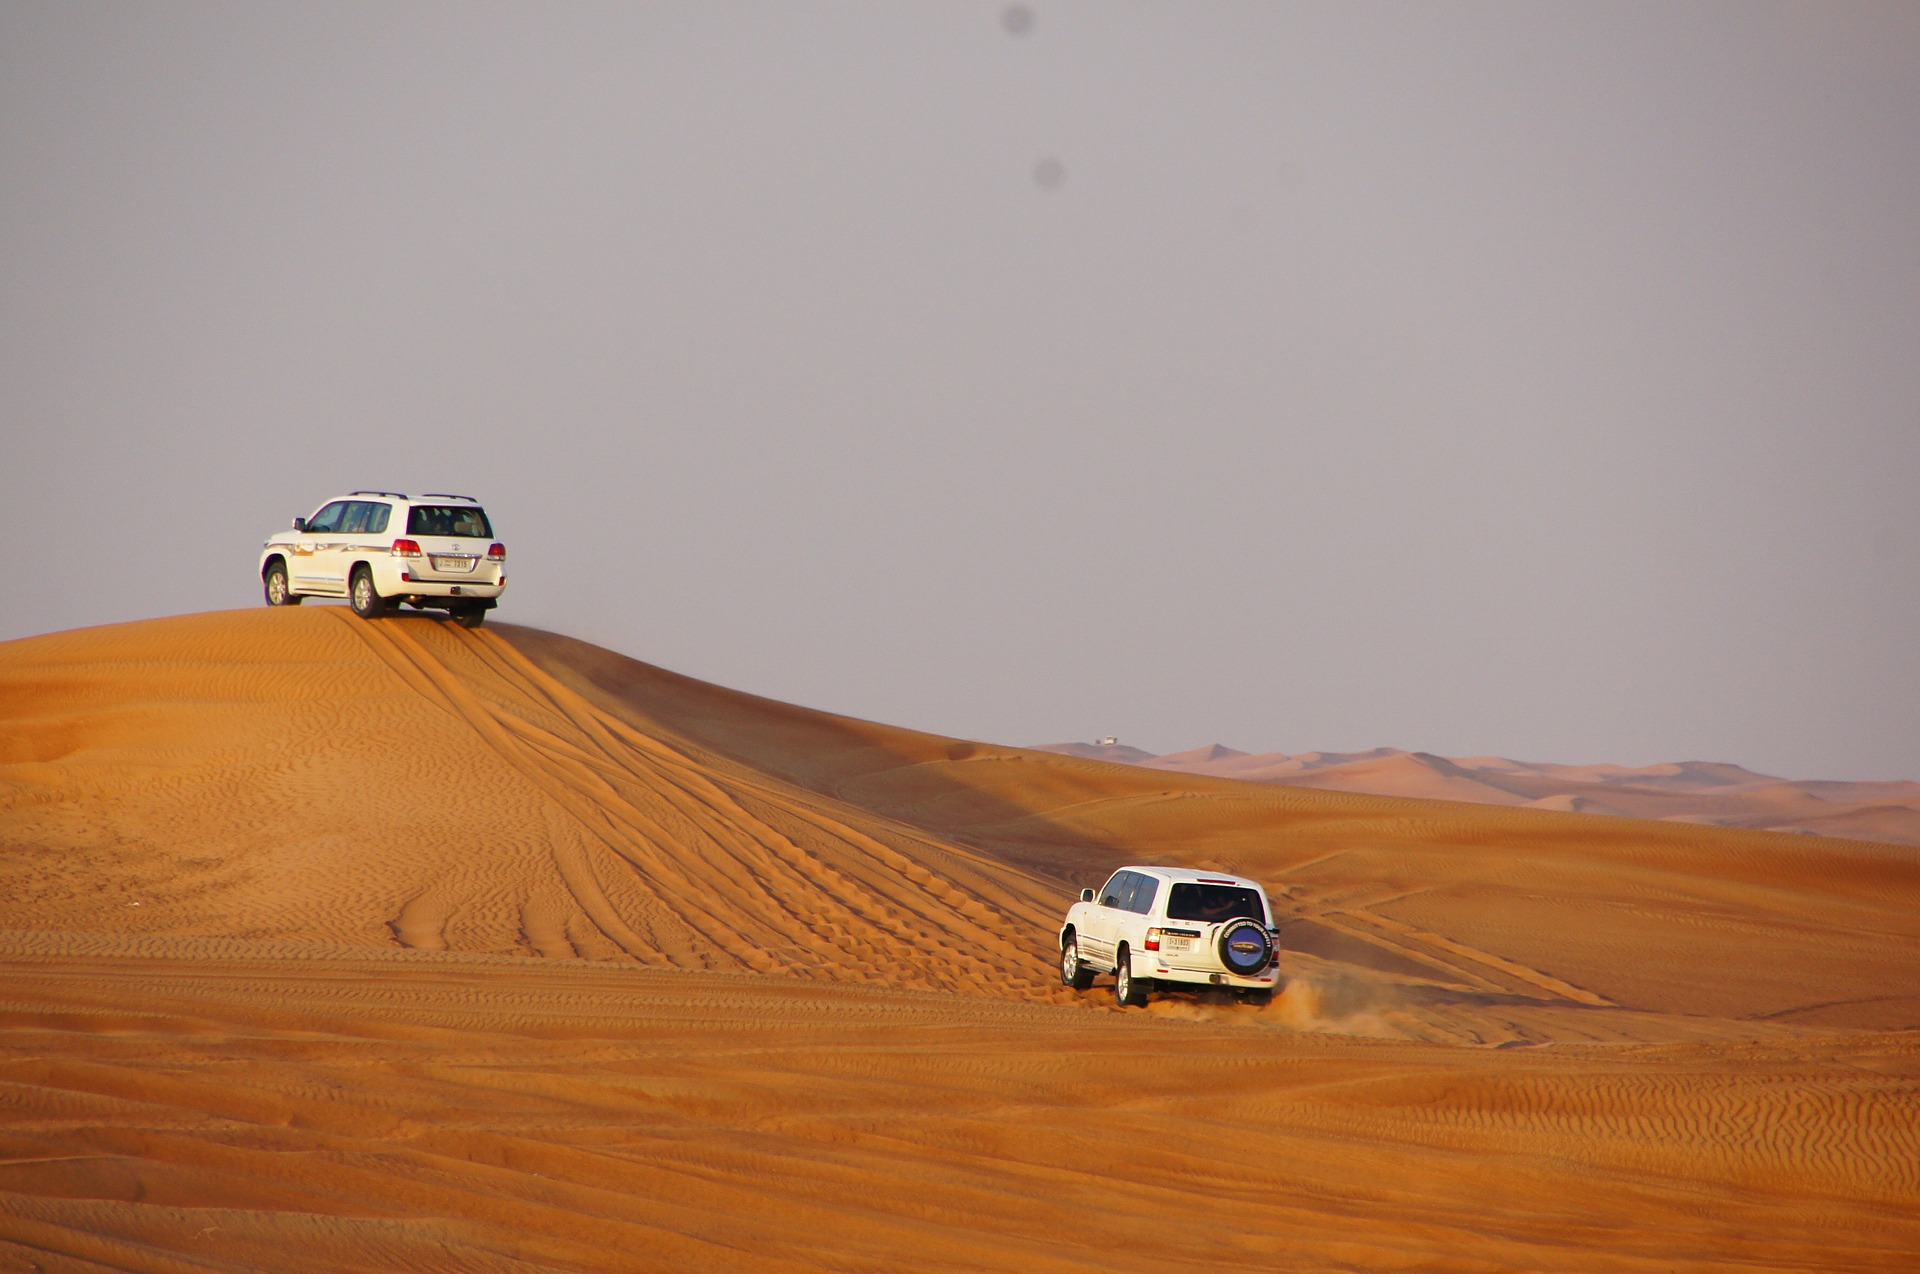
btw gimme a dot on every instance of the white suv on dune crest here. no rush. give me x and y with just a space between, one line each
1172 925
379 549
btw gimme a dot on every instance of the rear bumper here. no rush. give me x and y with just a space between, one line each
441 588
1265 980
398 578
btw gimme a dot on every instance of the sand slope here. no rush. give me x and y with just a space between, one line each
1684 791
336 945
312 777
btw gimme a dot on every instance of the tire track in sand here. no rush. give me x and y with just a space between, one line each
876 882
613 821
758 874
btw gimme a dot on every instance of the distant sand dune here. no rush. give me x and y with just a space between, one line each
1687 791
342 945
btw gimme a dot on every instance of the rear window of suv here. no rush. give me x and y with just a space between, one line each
463 520
1190 901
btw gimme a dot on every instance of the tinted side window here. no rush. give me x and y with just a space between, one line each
365 517
327 521
1110 894
1136 892
1144 888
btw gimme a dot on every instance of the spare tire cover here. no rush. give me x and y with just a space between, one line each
1245 947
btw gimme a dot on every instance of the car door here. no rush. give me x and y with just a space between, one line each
313 557
1130 918
361 533
1103 919
455 539
335 552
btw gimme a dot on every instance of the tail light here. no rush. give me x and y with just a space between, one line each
406 548
496 552
1153 939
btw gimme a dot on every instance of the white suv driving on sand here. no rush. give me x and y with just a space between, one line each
1171 925
378 549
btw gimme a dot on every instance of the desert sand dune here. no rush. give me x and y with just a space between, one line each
367 784
1685 791
344 945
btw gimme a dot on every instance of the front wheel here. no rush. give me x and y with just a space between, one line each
278 592
470 616
1128 991
364 597
1072 972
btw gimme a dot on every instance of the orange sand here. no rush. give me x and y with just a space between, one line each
337 945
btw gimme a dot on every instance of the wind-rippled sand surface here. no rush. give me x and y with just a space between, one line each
338 945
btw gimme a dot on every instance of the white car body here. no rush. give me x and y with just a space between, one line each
437 551
1172 925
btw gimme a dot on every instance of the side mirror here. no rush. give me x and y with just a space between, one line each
299 524
1086 895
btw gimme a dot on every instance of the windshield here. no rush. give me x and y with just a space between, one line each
464 520
1190 901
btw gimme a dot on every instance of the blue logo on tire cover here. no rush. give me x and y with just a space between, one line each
1243 947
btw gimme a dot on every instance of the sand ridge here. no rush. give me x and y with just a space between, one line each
1686 791
344 945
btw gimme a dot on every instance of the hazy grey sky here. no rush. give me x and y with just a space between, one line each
1537 379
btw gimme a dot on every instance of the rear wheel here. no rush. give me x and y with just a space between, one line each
1259 999
278 593
1128 991
470 616
1072 972
365 598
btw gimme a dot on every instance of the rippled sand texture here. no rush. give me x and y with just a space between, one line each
336 945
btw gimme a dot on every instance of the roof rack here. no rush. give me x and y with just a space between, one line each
446 495
394 494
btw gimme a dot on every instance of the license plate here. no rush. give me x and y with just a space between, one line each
1181 945
456 564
